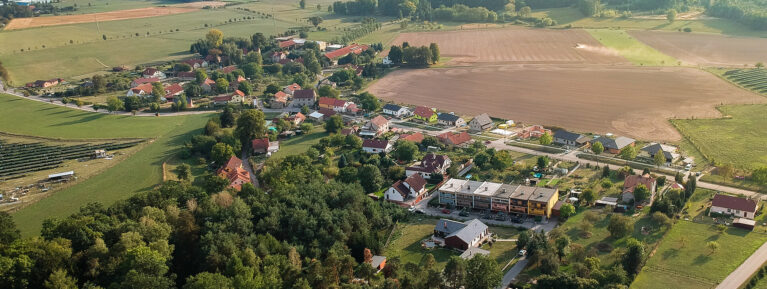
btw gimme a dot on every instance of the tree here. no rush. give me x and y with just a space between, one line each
641 193
200 76
315 20
250 125
395 54
619 226
214 38
525 11
589 196
207 280
566 211
405 150
370 177
60 280
222 85
302 4
114 104
227 117
628 153
434 48
454 273
760 175
712 247
482 272
597 148
562 243
661 219
545 139
221 152
8 230
183 171
245 87
632 260
542 162
158 91
328 91
334 124
659 158
671 15
759 65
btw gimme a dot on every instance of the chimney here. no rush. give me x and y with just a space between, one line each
445 224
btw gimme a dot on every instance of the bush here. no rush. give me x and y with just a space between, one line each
687 29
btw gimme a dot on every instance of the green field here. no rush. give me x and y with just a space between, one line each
691 265
300 144
89 6
751 79
736 138
140 172
632 49
574 18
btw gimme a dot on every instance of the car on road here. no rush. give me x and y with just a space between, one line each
517 220
521 253
464 213
446 211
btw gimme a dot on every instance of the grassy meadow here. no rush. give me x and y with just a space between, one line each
631 48
140 172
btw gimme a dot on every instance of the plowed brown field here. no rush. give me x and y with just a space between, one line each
631 101
706 49
22 23
515 46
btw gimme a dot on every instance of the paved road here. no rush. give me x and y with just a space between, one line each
513 272
743 273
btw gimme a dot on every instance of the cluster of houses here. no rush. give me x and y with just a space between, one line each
44 83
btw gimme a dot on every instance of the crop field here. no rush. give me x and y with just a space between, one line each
627 100
752 79
706 49
735 139
683 261
141 171
22 23
89 6
515 46
630 48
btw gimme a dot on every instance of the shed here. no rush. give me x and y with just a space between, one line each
61 176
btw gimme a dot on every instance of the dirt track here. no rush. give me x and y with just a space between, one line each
706 49
22 23
515 45
631 101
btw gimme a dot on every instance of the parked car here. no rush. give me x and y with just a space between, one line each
521 252
418 211
464 213
517 220
445 211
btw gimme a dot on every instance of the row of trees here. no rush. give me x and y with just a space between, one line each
414 56
752 13
421 9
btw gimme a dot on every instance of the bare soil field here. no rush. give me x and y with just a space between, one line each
22 23
514 45
706 49
631 101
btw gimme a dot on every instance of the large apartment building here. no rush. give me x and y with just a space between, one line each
498 197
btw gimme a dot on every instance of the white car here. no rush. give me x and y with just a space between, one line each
521 253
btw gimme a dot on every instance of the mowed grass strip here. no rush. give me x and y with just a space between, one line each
140 172
682 259
631 48
738 138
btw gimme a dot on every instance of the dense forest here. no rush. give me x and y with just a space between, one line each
752 13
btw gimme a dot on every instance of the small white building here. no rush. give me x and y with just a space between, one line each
374 146
396 110
734 206
411 188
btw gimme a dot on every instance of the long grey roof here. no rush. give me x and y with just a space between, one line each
471 230
392 107
448 117
617 143
482 119
563 134
654 148
448 227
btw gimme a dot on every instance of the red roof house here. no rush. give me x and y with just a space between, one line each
454 138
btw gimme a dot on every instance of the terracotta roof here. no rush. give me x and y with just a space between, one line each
146 87
455 138
353 48
143 80
326 111
379 121
194 61
736 203
331 101
293 87
414 137
229 69
304 93
260 143
223 98
288 43
186 74
375 143
281 96
209 81
423 111
173 90
149 71
238 92
633 180
232 164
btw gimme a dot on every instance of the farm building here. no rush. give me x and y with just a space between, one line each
734 206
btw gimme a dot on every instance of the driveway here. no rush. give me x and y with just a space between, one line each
513 272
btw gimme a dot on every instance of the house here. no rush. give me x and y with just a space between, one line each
144 89
734 206
234 172
305 97
327 113
409 191
536 201
415 137
424 114
533 131
461 236
328 82
228 69
455 138
350 130
290 89
264 146
173 90
378 263
374 146
431 164
152 72
566 138
375 126
395 110
278 55
614 146
279 100
669 152
236 97
296 119
208 85
140 81
196 63
480 123
334 55
186 75
632 182
335 104
317 116
450 119
45 83
288 44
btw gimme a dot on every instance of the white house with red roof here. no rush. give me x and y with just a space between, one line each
334 55
234 172
291 89
196 63
173 90
375 126
431 164
410 191
208 85
142 80
153 72
278 55
141 90
734 206
374 146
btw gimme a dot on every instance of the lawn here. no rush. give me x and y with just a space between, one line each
299 144
406 243
140 172
725 140
88 6
632 49
688 264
